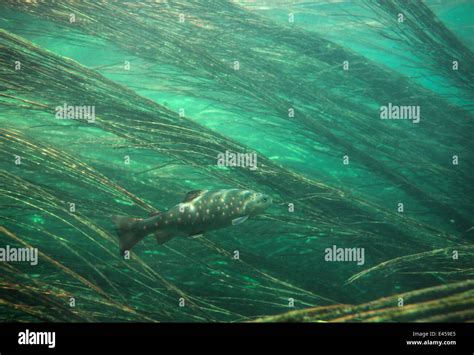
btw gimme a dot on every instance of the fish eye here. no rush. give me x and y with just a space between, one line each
265 199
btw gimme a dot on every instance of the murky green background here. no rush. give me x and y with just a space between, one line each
190 66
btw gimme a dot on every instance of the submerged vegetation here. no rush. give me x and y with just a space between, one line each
184 81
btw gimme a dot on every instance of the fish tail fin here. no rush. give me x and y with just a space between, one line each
128 232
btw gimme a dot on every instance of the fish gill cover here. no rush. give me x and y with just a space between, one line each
355 118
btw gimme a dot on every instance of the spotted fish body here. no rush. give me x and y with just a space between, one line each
199 212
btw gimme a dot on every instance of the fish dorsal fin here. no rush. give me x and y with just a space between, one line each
239 220
153 213
191 195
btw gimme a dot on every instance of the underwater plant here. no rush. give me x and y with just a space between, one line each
339 175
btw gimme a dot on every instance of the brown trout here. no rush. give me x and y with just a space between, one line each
199 212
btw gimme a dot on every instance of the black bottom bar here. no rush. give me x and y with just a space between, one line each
222 338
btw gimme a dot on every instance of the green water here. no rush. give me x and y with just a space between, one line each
169 97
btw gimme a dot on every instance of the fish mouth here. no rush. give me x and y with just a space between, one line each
266 201
269 203
259 202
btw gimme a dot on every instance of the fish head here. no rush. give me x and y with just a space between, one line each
256 203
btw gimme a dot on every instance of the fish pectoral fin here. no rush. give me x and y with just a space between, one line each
162 237
196 235
239 220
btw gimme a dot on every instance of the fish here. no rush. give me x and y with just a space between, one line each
199 212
